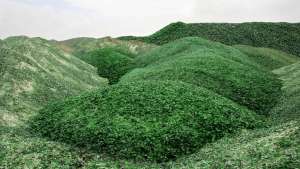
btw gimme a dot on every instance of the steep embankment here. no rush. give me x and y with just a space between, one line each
34 72
281 36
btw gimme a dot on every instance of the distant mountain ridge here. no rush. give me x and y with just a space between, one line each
281 36
83 45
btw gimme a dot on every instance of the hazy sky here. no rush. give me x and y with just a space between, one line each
63 19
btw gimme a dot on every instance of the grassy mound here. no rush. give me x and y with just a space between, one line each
151 120
269 58
111 63
217 67
281 36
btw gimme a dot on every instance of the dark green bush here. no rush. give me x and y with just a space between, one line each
220 68
111 63
146 120
281 36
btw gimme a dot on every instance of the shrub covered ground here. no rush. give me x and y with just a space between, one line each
268 58
34 72
275 147
281 36
289 105
152 120
111 62
272 147
112 57
81 46
220 68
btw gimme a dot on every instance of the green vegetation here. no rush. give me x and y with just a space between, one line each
214 66
112 57
289 105
147 121
35 72
269 58
151 120
111 63
80 47
281 36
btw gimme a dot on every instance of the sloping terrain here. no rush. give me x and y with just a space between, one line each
268 58
145 120
40 72
281 36
81 46
111 57
34 72
289 105
220 68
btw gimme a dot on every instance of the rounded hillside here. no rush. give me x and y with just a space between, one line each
280 36
111 63
215 66
268 58
150 120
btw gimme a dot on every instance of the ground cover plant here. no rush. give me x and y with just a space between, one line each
217 67
268 58
281 36
111 63
152 120
36 72
81 46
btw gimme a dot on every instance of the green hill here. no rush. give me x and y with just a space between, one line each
34 72
81 46
269 58
111 57
151 114
289 105
111 62
281 36
152 120
220 68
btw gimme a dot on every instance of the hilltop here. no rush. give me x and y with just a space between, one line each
35 72
177 102
281 36
217 67
83 45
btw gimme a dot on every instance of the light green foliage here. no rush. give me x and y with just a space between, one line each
268 58
289 106
36 72
215 66
20 150
82 46
281 36
152 120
